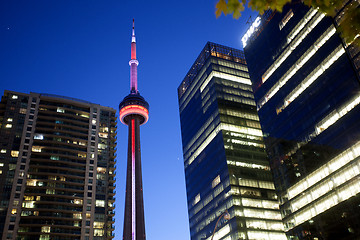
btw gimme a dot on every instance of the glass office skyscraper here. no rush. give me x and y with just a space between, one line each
224 156
57 168
308 95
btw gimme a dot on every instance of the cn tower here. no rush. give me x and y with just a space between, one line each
134 111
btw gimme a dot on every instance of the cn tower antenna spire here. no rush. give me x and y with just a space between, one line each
133 63
133 32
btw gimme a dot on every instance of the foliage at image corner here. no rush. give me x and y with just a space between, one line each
349 27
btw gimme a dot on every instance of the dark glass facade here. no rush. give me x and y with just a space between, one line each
224 156
307 93
57 166
353 50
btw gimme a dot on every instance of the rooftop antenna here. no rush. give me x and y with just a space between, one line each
250 21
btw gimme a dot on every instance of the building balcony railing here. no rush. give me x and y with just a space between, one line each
112 198
111 219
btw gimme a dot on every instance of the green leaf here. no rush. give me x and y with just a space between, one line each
221 7
235 7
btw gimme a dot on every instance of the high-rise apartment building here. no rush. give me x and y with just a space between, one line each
308 95
57 168
224 156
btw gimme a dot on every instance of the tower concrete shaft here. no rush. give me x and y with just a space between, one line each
134 223
134 112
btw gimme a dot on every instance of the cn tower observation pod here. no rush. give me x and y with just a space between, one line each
134 104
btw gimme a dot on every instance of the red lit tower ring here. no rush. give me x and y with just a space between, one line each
134 104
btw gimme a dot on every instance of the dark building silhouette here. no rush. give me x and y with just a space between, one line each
224 155
57 168
134 111
307 92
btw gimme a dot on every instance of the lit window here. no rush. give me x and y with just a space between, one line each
222 126
261 213
8 125
250 192
45 229
44 237
102 146
104 129
31 182
103 135
13 211
101 170
3 151
100 176
9 119
14 153
197 199
216 181
28 204
222 232
12 167
286 19
98 224
82 155
26 213
1 164
78 201
88 215
50 191
28 198
224 76
54 157
93 121
36 148
98 232
14 97
60 110
22 110
77 215
336 115
39 136
0 171
100 203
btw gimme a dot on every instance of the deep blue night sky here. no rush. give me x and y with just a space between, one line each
81 49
